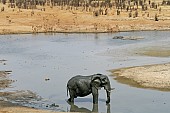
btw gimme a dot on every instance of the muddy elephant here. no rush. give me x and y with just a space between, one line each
80 86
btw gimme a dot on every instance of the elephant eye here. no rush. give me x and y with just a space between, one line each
104 80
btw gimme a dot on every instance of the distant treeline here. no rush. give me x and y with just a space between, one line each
119 4
27 3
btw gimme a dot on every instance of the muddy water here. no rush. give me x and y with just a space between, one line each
44 63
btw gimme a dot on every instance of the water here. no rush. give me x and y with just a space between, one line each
58 57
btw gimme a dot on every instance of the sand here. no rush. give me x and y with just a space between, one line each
149 76
18 109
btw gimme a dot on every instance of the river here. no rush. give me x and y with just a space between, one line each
43 63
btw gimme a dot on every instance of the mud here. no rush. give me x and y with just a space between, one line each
6 98
4 80
128 37
11 102
154 51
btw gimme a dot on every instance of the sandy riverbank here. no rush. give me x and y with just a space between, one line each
57 20
149 76
19 109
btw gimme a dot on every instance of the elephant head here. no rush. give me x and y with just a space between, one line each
100 80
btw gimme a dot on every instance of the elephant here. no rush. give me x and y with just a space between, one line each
80 86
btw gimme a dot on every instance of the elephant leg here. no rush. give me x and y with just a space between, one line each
95 108
108 108
72 95
95 95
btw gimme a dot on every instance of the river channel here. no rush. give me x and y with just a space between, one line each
43 63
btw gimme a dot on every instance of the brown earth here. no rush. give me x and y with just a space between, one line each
54 19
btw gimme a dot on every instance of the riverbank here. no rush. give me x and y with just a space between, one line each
19 109
8 107
5 105
150 76
57 19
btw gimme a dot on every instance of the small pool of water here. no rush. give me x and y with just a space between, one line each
58 57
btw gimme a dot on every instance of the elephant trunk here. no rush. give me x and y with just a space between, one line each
108 97
107 87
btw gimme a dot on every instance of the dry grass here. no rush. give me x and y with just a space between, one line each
57 20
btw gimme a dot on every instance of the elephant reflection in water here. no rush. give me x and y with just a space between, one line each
74 108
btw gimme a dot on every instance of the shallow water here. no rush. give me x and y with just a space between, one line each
58 57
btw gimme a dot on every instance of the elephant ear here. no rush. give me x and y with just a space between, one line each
96 81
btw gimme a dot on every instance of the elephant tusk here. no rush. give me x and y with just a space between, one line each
112 88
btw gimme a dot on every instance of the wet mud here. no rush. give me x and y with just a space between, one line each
4 80
155 51
13 98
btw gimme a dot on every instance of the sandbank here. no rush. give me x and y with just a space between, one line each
149 76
